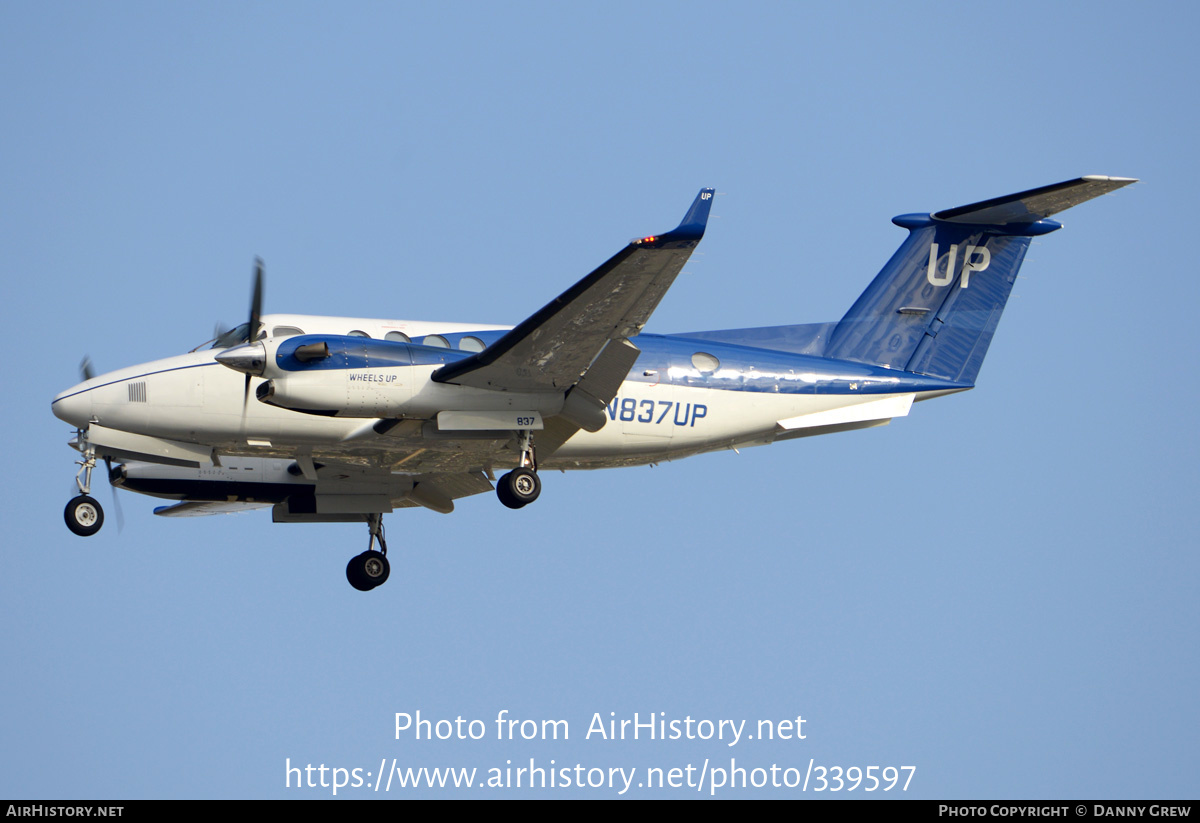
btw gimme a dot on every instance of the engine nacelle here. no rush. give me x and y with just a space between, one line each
360 377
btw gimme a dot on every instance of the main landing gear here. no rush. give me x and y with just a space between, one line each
521 486
371 568
518 488
83 514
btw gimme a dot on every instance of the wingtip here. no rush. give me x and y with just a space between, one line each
689 230
1104 178
696 219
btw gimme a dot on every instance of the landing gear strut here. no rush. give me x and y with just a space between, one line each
84 515
371 568
521 486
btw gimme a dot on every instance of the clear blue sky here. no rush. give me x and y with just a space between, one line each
999 590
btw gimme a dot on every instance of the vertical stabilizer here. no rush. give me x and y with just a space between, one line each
934 307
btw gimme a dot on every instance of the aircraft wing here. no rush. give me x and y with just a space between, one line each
555 347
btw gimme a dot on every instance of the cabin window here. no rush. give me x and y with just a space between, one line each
471 344
397 336
286 331
437 341
705 362
358 333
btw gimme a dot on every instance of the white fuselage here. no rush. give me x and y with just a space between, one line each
192 399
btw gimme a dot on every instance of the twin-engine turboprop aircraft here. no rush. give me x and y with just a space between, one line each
328 419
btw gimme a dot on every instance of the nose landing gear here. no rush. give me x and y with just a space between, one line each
83 514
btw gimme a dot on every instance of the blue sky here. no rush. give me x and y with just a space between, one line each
998 590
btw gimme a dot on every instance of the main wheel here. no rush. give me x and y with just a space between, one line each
518 488
84 516
368 570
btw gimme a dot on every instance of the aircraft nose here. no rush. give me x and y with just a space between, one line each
73 406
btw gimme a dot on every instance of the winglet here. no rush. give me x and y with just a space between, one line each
552 348
690 229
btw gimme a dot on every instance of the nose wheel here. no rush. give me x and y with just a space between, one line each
371 568
84 516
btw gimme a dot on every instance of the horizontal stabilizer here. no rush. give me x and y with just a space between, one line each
884 409
1035 204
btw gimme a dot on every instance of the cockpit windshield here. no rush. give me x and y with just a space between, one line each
234 337
226 340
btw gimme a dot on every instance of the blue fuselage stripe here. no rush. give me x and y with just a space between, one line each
134 377
664 359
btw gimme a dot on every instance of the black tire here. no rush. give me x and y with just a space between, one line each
519 488
502 492
367 570
84 516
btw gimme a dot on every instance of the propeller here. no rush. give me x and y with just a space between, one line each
113 476
255 317
250 357
86 372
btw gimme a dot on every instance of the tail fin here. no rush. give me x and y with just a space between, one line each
934 306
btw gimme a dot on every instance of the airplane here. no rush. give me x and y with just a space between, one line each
331 419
